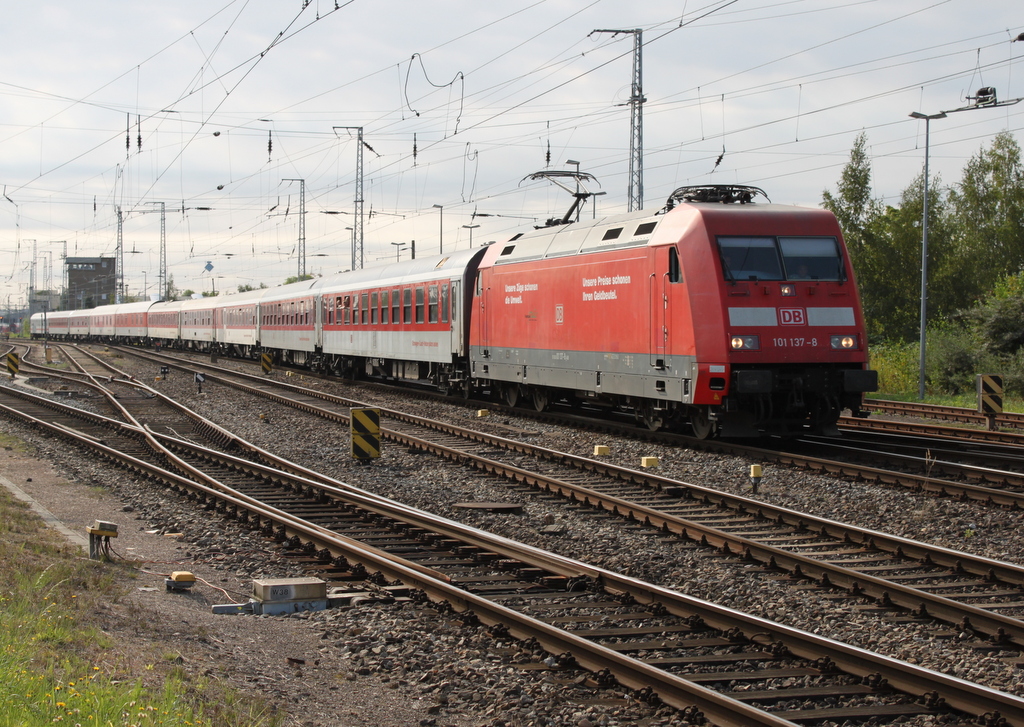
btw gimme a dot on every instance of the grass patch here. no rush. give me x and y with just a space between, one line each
56 664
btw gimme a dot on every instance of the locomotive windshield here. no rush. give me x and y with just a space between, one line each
780 258
811 258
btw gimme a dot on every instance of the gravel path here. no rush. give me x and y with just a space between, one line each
416 658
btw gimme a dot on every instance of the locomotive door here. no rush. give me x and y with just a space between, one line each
485 327
658 284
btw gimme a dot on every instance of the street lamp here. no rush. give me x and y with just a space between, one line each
985 98
470 228
440 244
352 245
399 246
924 245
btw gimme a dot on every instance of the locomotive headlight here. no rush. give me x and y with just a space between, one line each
840 343
745 343
788 289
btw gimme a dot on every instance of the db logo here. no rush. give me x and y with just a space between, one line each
792 316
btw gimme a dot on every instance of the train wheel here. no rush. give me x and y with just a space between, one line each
510 393
540 398
703 427
649 417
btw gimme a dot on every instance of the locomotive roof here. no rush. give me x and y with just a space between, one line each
629 230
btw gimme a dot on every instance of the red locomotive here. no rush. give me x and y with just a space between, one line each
741 317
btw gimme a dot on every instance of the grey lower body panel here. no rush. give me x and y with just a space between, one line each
618 374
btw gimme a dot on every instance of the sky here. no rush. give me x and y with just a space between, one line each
228 115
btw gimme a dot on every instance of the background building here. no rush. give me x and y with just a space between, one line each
92 281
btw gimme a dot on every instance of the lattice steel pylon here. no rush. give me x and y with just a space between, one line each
302 226
636 122
357 216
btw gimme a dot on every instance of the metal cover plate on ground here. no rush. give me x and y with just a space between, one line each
491 506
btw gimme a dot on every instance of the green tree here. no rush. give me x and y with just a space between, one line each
988 204
852 205
297 278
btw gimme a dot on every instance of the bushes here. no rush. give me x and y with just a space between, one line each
954 358
896 364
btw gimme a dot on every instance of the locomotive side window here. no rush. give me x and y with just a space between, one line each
675 272
750 258
812 258
612 234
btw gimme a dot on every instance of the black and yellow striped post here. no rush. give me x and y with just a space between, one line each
990 397
13 365
267 362
365 427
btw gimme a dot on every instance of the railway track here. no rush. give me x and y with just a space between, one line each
647 637
1009 420
975 594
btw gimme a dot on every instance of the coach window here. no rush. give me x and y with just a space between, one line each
374 304
444 303
365 308
675 273
419 305
346 307
384 306
407 305
432 304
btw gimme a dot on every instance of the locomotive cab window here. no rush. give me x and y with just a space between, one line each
750 258
812 258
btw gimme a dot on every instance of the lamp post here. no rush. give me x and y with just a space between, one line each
470 228
924 246
440 244
985 98
352 263
399 246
